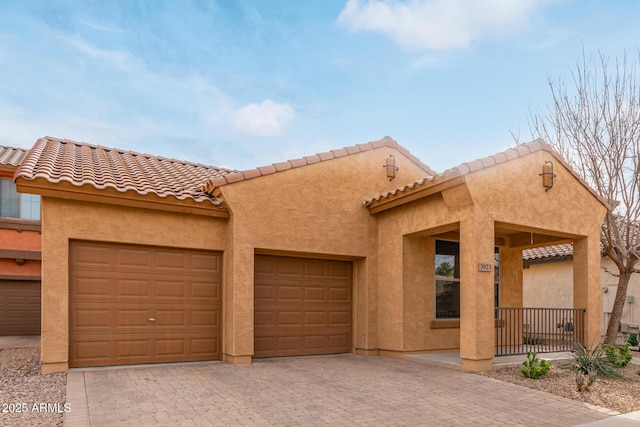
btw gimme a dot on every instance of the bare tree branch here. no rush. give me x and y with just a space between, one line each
594 122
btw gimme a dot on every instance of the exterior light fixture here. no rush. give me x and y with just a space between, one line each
390 166
20 261
547 176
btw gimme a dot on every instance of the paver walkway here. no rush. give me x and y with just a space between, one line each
323 390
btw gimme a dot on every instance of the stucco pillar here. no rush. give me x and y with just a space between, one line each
586 285
390 297
476 292
365 315
511 294
237 326
417 309
509 329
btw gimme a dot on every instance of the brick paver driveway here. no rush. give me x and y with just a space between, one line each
322 390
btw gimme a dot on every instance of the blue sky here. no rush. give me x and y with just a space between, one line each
247 83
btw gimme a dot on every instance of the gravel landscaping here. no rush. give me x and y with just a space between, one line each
622 395
28 398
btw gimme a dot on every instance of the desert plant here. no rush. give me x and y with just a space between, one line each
619 358
633 340
534 368
589 364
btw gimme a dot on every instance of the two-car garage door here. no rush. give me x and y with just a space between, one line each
132 304
140 304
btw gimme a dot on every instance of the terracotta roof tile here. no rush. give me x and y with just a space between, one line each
340 153
309 160
312 159
353 149
12 156
253 173
282 166
548 253
326 156
296 163
79 163
266 170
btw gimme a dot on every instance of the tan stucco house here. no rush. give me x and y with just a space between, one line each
364 249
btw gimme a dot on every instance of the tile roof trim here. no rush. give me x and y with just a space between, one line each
544 254
474 166
89 193
12 157
233 177
26 173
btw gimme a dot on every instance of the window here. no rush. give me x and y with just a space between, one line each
17 205
447 279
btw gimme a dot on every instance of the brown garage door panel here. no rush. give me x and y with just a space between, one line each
302 306
137 304
19 308
139 348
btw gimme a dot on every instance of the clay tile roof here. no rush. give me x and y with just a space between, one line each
79 163
548 253
429 181
487 162
230 178
11 156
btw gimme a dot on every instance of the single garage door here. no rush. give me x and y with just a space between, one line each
140 304
19 307
302 306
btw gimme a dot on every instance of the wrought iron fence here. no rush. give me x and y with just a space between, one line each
541 330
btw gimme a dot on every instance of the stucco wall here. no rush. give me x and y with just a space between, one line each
318 211
550 285
64 220
24 240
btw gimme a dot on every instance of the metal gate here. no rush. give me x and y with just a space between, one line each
541 330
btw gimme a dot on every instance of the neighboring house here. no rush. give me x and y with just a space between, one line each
364 249
20 242
548 277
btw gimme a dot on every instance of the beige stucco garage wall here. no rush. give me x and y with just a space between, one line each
64 220
507 201
315 210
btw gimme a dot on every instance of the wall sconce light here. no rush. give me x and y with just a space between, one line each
20 261
391 168
547 176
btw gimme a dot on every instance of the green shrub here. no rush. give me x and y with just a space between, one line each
534 368
619 358
633 339
592 363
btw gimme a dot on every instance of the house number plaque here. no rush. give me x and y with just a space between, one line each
484 267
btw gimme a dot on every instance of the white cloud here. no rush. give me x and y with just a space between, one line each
438 24
119 59
265 119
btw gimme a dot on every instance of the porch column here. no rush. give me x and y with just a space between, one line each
511 294
586 285
476 292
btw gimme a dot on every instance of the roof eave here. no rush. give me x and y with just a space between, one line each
409 195
88 193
